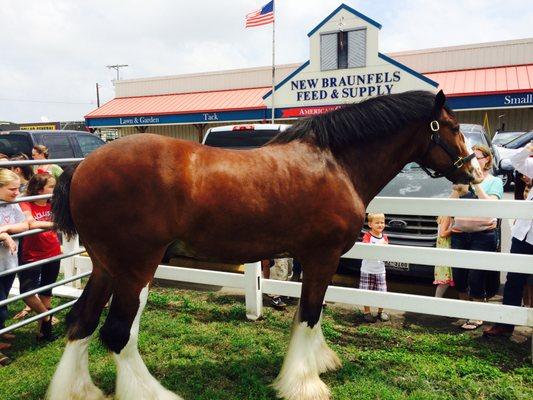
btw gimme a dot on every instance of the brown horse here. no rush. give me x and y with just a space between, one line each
303 194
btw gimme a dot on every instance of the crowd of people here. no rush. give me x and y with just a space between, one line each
17 218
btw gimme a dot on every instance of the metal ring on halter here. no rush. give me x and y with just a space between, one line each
434 125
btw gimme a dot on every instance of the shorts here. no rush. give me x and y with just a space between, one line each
38 277
375 282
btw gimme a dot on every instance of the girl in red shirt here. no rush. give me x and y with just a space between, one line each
38 247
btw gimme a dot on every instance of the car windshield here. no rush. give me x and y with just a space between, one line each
520 140
240 139
505 137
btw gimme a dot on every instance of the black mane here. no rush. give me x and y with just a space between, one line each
364 122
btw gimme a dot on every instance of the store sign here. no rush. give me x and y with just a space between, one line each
306 111
47 127
345 87
516 100
210 117
139 121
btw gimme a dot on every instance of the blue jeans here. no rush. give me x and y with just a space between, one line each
514 285
474 281
6 282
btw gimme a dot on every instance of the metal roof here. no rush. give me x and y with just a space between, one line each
471 82
183 103
484 81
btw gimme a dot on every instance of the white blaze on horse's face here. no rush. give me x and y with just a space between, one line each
474 162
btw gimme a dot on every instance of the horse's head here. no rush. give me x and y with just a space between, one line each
445 151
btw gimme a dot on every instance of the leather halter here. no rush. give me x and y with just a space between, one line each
436 141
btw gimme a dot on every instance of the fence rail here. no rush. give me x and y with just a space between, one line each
57 286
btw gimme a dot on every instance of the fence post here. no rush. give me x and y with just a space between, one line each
253 290
69 265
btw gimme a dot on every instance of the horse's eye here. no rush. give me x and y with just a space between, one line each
455 129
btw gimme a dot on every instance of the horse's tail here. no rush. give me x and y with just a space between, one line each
61 204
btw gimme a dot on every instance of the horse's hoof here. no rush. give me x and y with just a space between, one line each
309 388
327 359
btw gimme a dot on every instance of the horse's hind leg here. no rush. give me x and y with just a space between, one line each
120 333
71 380
308 354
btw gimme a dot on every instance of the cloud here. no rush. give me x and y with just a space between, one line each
54 51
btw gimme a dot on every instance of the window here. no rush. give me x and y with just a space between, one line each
357 48
13 144
240 139
58 145
88 143
341 50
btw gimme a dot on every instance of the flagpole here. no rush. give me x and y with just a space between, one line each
273 58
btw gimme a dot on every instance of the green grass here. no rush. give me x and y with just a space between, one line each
200 345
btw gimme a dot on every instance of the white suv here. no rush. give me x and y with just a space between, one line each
242 136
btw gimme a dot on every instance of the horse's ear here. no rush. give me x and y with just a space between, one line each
440 99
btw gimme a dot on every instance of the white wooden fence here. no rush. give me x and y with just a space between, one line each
254 285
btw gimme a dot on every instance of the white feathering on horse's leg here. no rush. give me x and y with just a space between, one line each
134 381
327 359
71 380
299 377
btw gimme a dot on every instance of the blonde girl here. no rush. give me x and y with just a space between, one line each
443 273
12 220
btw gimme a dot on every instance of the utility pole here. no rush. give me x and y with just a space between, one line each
97 95
117 68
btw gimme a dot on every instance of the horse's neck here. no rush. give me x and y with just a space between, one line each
372 166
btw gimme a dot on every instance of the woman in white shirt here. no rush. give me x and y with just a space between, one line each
522 243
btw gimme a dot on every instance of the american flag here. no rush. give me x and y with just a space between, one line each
263 16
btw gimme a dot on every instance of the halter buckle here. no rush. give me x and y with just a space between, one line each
434 125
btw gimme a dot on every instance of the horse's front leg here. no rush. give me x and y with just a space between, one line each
308 354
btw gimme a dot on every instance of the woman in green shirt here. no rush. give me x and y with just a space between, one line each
40 152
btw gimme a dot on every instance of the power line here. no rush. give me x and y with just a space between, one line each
117 68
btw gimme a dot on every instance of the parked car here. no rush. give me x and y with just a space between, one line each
60 144
520 141
502 138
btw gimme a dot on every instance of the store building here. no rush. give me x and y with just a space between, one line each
490 83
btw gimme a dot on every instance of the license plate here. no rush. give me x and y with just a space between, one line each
400 266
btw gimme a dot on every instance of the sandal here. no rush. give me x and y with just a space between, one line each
4 360
45 333
8 336
4 346
471 325
22 314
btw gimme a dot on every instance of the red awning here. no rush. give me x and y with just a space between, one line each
183 103
484 81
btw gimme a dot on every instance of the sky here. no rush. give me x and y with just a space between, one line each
53 52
